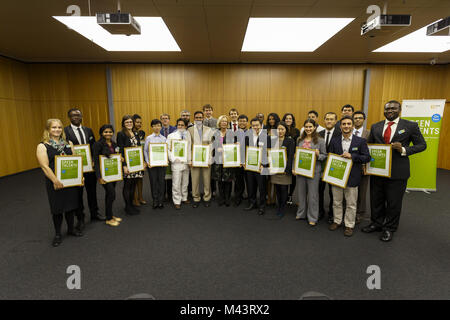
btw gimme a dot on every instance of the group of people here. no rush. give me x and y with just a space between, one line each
346 137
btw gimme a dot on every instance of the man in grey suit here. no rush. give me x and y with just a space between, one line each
209 121
359 117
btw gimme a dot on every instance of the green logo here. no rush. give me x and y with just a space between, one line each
378 158
69 169
337 169
111 167
304 160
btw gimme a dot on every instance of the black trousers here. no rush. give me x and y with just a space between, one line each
129 187
157 183
110 196
90 184
282 196
322 186
224 191
58 220
292 185
169 189
257 181
240 183
386 197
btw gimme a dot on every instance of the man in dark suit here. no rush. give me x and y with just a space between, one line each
328 134
241 176
258 137
346 110
386 194
79 134
355 148
165 131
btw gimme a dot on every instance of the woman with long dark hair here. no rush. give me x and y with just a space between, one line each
62 201
127 138
273 120
105 146
138 198
294 133
308 188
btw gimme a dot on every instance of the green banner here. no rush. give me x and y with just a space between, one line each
69 169
337 169
111 167
82 153
304 160
428 115
378 158
134 157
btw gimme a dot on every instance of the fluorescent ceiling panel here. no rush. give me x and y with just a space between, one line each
418 41
155 36
291 34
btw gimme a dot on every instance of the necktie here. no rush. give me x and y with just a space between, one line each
81 136
328 138
165 132
234 126
357 133
182 136
387 133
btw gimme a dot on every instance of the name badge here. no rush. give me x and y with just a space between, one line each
91 137
117 149
401 131
355 149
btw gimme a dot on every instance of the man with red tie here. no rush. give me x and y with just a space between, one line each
234 123
386 194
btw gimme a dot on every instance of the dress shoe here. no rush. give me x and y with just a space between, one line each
155 205
186 202
195 204
177 206
330 220
160 206
321 214
387 236
371 228
348 232
250 207
57 240
207 204
112 223
312 224
143 201
261 211
75 233
333 226
300 218
117 219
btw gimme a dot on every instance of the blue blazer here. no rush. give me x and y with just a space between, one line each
171 129
360 154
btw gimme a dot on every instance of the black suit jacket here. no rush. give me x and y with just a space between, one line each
289 144
336 133
360 154
410 133
123 141
70 135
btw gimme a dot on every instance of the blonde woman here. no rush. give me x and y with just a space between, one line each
62 201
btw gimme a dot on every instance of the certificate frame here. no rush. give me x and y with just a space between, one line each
249 167
183 159
59 170
386 172
157 163
301 171
338 182
232 164
204 163
87 150
136 168
273 170
112 178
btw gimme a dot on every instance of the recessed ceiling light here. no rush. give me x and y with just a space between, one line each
155 36
418 41
290 34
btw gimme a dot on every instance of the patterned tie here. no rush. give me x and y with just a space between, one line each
387 133
165 132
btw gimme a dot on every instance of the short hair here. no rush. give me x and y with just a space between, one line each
185 111
243 116
136 116
335 115
155 122
71 110
197 112
207 106
347 118
394 101
255 119
348 106
164 115
359 112
219 120
315 112
233 109
104 127
182 120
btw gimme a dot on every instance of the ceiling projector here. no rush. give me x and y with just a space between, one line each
381 25
118 23
440 28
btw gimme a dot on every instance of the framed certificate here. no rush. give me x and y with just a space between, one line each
84 150
179 150
380 160
111 168
305 162
157 155
69 170
277 160
231 155
134 157
337 170
200 155
253 156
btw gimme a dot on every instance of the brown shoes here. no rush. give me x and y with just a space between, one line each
333 226
187 202
348 232
177 206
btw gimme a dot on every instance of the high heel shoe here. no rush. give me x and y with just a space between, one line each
117 219
112 223
57 240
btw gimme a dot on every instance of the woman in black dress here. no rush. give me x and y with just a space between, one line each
138 199
272 130
294 133
105 146
61 200
127 138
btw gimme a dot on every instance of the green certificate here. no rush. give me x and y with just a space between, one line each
134 157
200 154
179 149
158 153
304 160
253 157
82 153
378 158
111 167
69 169
277 160
337 169
230 155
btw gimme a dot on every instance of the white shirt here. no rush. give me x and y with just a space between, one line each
77 134
331 135
153 138
393 129
346 142
255 138
232 126
360 132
